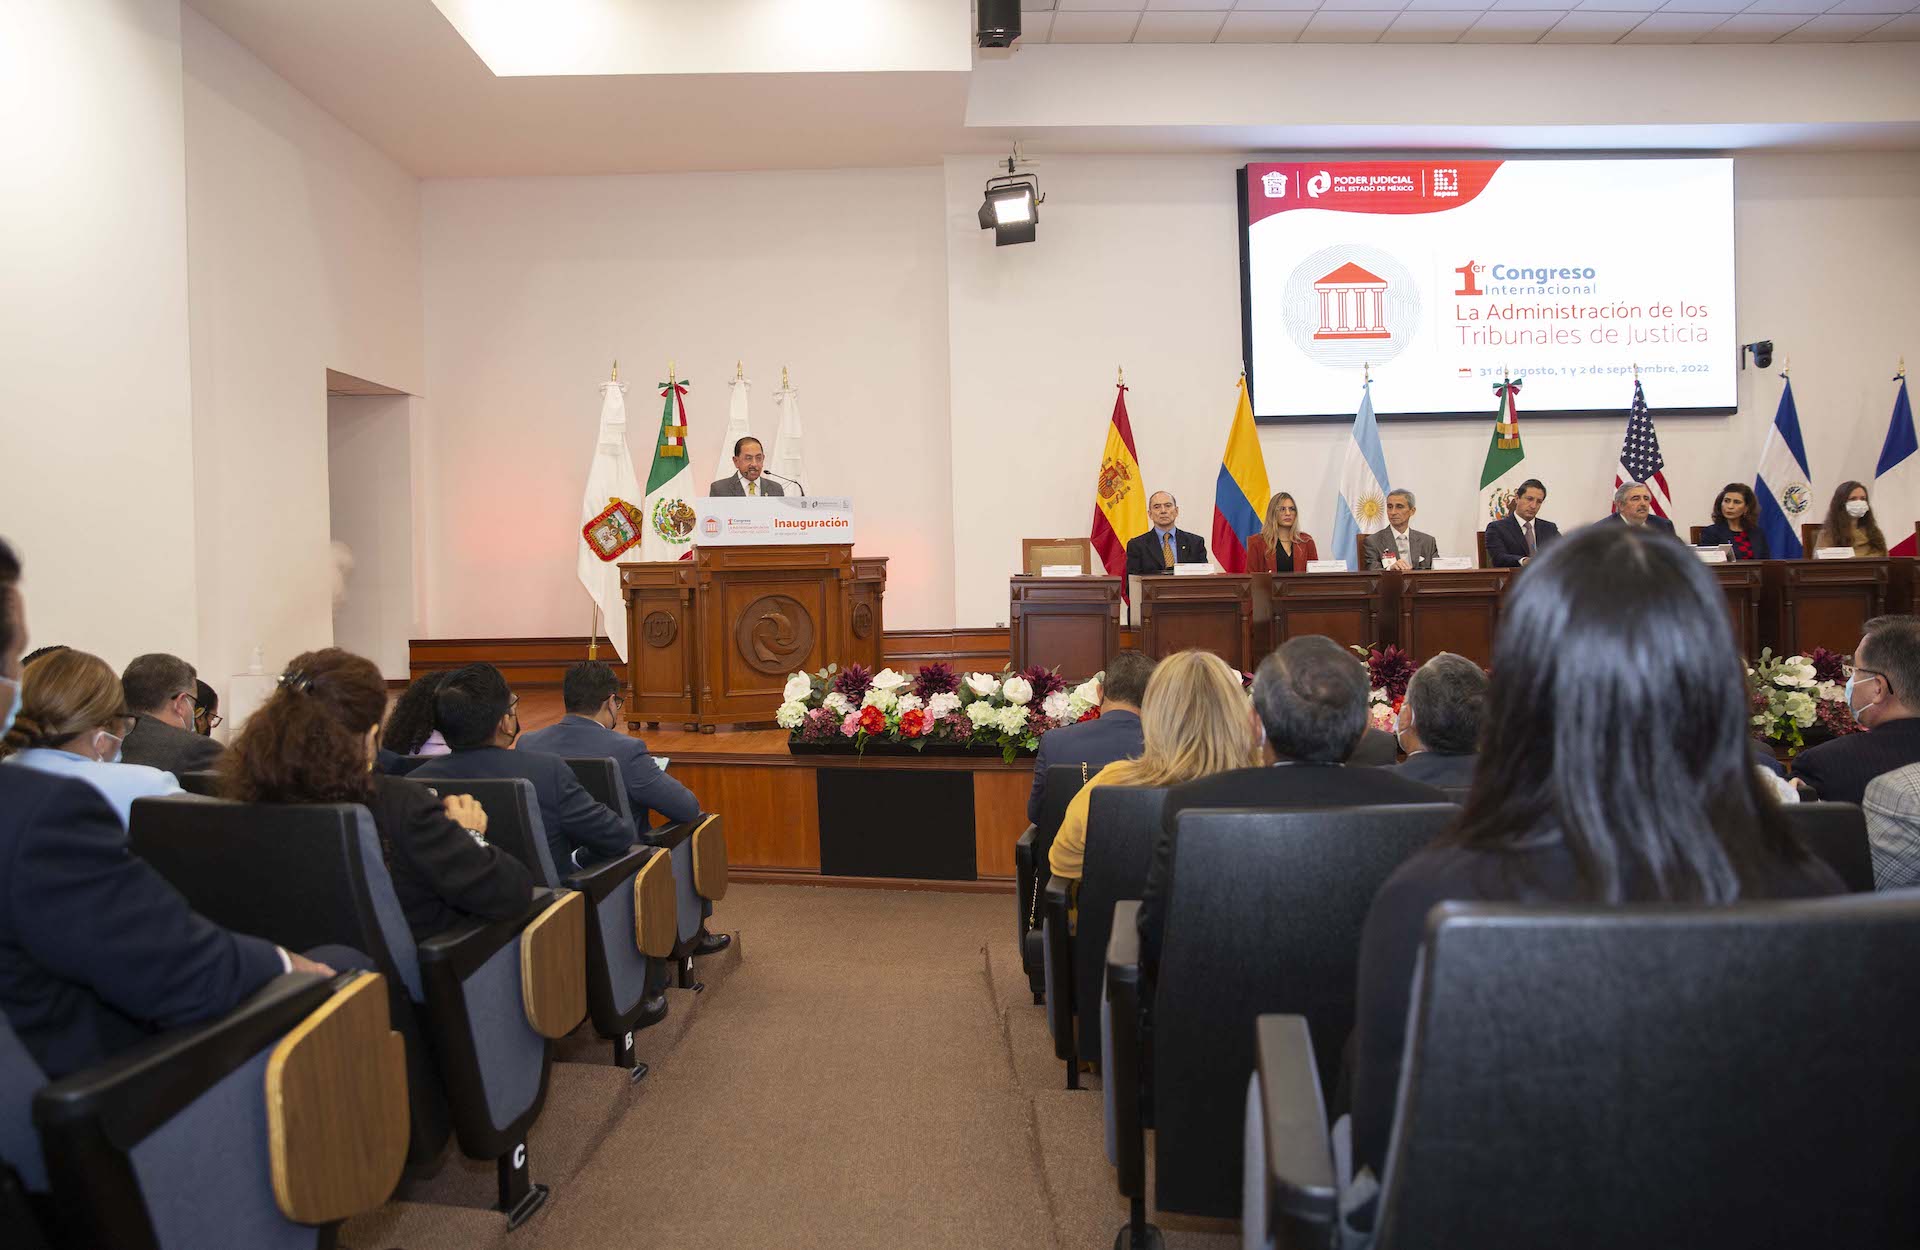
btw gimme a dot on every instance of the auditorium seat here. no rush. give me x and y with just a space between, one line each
1121 824
1031 871
1694 532
618 972
1837 833
265 1128
1265 915
1768 1101
313 874
205 784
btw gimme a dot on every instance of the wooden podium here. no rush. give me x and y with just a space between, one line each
712 639
1068 623
1229 614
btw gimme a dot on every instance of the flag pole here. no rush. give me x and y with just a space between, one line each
593 634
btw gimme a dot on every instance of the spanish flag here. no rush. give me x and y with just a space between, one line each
1119 499
1240 493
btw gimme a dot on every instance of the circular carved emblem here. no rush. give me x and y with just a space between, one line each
773 634
659 629
862 620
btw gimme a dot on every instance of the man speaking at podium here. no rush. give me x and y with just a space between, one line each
749 463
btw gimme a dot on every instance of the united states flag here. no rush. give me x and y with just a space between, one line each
1640 459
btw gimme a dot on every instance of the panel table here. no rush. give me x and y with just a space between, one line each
1229 614
1451 610
1069 623
1353 609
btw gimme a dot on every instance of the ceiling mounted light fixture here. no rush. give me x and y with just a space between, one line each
1011 208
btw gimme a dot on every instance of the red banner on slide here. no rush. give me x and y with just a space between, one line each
1391 187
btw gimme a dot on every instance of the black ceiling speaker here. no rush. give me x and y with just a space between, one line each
999 23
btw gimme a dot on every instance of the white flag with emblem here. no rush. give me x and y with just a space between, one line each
610 476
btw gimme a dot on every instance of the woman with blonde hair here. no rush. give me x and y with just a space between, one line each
73 717
1196 721
1280 546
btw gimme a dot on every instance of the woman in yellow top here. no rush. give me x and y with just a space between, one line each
1850 523
1196 720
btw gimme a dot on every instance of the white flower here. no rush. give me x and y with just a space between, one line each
1800 707
942 705
907 703
1088 692
1077 706
888 680
836 703
983 685
798 687
1018 690
982 714
1831 691
791 713
1012 719
1059 707
882 699
1378 695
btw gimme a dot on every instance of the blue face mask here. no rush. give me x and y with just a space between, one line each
1849 692
13 704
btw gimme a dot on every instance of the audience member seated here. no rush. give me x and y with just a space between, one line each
1281 546
313 740
72 720
1736 524
1850 523
1115 734
96 951
409 729
1892 808
1614 768
591 730
1376 749
206 709
476 712
1310 698
1439 726
1513 539
1633 508
163 693
1883 692
1196 724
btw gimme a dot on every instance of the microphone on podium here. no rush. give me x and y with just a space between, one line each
780 477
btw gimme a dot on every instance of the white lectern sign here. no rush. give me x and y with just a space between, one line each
725 521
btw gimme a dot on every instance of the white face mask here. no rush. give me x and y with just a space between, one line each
1856 508
13 703
106 756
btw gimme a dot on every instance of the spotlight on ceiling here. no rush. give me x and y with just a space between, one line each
999 23
1011 208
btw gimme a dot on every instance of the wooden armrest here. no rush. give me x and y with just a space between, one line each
468 945
670 836
601 880
710 859
656 925
1300 1169
553 966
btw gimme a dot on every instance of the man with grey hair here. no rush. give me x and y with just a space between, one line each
1439 722
1633 507
1164 544
162 692
1399 545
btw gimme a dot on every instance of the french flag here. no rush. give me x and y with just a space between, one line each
1896 480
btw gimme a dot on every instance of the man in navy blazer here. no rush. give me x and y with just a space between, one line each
1148 552
475 711
1114 735
1514 538
590 730
1633 507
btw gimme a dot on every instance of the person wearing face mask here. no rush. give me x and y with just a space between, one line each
163 696
1850 523
478 714
591 729
71 723
1439 723
1883 691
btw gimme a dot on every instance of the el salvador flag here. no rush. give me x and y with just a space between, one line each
1781 483
1363 483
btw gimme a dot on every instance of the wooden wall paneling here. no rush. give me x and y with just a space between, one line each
771 812
999 818
967 650
524 661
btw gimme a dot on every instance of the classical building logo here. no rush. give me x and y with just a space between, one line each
1352 304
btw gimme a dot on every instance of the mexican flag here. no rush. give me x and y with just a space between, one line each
1501 473
670 489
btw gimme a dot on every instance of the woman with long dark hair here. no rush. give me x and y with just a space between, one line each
1615 767
409 729
1736 524
313 741
1850 523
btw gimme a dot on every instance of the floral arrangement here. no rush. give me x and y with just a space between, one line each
1792 694
1388 671
1005 710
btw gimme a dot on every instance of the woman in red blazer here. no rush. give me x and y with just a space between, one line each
1280 546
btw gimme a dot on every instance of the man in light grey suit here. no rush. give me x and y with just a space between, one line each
1400 545
749 462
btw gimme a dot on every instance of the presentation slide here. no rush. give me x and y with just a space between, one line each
1440 276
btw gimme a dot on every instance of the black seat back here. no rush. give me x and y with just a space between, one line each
1661 1076
205 784
1837 833
1265 916
20 1079
513 820
1030 879
600 777
1122 822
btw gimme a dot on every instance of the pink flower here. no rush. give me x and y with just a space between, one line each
851 725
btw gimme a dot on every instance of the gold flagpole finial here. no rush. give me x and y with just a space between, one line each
783 378
739 369
616 370
1903 368
1786 370
1119 376
671 375
1366 372
1636 373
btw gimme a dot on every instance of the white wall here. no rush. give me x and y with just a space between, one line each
534 286
369 481
96 461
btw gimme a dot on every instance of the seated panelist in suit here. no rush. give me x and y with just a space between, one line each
1399 545
1633 508
1736 523
1280 546
1164 545
73 716
1115 734
163 695
313 741
1514 538
591 730
1439 722
749 467
477 712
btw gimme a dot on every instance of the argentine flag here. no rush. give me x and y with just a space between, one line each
1363 484
1781 481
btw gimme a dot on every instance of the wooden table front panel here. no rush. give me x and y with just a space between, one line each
766 612
1068 623
1353 609
662 642
1201 613
866 618
1823 603
1457 611
1744 584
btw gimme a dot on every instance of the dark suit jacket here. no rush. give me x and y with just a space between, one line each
441 875
154 742
1376 749
1717 533
1654 522
1095 743
573 818
1421 547
96 949
1839 770
1449 772
1278 785
730 486
1144 555
1507 542
648 788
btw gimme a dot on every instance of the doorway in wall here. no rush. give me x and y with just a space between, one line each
370 493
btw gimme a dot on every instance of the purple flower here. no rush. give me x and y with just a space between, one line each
935 678
1827 665
1389 668
853 681
1044 680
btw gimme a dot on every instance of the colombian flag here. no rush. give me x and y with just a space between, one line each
1240 494
1119 500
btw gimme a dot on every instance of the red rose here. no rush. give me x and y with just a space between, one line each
913 723
872 720
1093 713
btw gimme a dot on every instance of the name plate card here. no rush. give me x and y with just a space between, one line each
1199 568
1060 570
1833 553
1452 564
782 519
1711 555
1327 566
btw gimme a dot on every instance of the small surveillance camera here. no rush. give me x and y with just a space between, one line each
1762 353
